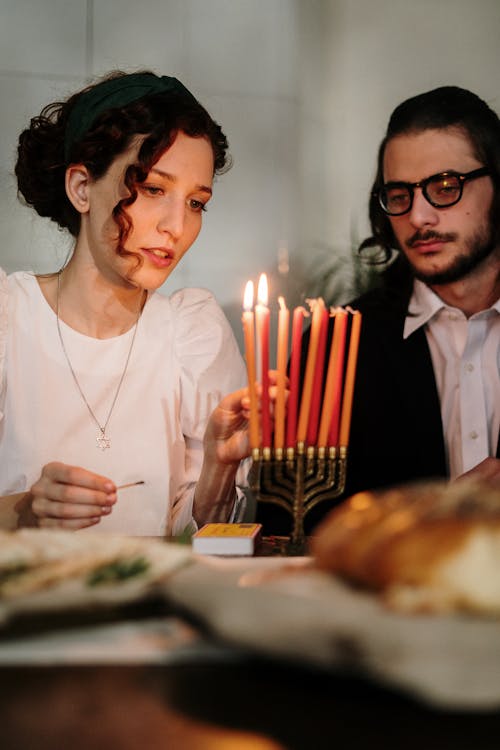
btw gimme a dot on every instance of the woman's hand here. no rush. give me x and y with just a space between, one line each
67 497
226 443
226 437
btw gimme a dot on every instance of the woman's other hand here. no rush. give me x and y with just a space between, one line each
226 437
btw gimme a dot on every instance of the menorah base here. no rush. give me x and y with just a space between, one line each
297 482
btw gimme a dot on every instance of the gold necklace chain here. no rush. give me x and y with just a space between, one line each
102 439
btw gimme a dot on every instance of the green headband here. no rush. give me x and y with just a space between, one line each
117 92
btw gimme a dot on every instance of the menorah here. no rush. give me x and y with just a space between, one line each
304 462
297 480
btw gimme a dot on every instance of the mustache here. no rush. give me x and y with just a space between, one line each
428 235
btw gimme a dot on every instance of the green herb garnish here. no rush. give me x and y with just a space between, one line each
119 570
9 573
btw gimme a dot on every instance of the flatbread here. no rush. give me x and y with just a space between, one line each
32 560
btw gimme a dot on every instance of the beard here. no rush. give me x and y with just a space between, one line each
477 248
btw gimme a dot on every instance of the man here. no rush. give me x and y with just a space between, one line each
427 393
427 396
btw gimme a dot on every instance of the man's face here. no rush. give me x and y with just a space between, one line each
442 245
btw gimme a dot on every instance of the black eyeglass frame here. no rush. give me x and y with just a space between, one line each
410 186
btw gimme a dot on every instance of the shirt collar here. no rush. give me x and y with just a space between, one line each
425 304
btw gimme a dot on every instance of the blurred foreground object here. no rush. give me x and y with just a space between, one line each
427 547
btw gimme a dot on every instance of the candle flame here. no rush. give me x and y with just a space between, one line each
248 296
262 291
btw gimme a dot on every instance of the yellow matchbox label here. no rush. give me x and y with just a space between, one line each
228 529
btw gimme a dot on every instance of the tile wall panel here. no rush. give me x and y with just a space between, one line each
33 242
130 36
29 242
26 95
243 48
43 37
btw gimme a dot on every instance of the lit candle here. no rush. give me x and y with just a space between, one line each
262 325
352 358
294 387
249 335
317 389
317 306
281 362
330 415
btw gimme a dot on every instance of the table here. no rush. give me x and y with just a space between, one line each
257 704
205 695
210 696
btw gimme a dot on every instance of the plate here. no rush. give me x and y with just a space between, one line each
289 610
86 574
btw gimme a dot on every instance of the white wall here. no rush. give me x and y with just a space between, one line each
303 89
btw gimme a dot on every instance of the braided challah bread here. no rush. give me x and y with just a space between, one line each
432 546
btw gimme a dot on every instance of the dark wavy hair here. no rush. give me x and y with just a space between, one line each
444 107
41 163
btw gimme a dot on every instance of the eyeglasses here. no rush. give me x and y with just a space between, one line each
440 190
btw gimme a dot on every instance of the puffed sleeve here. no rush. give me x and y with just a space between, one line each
4 321
211 366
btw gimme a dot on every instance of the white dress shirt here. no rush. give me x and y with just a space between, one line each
466 359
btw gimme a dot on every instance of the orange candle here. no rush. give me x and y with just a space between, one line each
317 307
249 336
295 359
352 358
262 317
281 362
317 389
330 415
341 323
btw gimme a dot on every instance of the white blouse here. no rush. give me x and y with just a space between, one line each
184 360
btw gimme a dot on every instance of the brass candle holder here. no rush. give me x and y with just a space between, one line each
297 480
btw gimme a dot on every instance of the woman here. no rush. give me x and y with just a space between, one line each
105 382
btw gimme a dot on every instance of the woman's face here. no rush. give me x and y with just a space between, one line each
165 218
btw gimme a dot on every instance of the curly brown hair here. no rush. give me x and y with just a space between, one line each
41 164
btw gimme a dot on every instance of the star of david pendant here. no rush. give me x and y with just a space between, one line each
102 441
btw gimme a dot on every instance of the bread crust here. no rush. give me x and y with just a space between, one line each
435 537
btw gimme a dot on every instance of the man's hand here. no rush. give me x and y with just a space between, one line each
487 471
